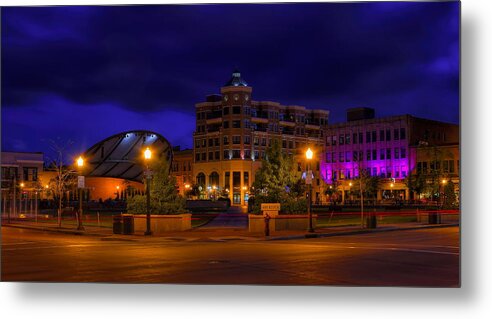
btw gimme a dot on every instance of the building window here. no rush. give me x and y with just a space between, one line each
226 155
374 155
402 133
197 143
388 135
197 157
225 124
247 139
381 135
355 138
236 139
217 155
381 154
226 110
328 158
347 156
334 140
226 140
227 180
210 142
204 143
355 157
388 153
396 135
204 157
256 140
263 141
374 138
368 155
451 166
403 153
236 154
360 138
246 178
236 109
368 137
374 171
397 153
341 139
340 157
247 124
347 139
236 124
30 174
333 157
210 156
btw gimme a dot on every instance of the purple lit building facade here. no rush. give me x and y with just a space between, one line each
380 147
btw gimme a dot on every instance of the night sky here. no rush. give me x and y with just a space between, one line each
84 73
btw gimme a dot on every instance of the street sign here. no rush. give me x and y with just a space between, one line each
81 181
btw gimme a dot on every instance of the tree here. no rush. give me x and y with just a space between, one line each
416 183
65 177
449 195
164 195
366 185
277 182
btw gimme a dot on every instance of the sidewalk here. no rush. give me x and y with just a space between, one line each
223 234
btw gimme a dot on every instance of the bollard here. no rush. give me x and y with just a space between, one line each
267 225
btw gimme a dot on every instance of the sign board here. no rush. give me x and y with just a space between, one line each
81 181
271 209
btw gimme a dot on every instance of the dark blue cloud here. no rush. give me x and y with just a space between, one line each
398 57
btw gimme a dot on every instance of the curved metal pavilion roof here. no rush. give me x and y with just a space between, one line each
120 156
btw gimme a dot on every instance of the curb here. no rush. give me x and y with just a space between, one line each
107 237
54 230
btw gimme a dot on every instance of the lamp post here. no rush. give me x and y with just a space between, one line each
148 157
443 182
309 157
80 185
21 198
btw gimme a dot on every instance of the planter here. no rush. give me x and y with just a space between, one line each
160 224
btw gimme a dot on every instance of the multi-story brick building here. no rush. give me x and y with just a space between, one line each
21 181
182 169
233 133
380 146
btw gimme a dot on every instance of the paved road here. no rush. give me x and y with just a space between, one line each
403 258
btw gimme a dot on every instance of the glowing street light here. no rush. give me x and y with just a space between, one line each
147 154
309 154
80 165
309 157
148 157
80 162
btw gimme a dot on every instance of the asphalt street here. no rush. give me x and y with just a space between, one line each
427 257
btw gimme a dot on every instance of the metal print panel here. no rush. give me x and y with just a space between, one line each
265 144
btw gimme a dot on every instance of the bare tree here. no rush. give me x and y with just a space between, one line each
65 175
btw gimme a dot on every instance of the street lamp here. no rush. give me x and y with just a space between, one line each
80 184
309 157
148 157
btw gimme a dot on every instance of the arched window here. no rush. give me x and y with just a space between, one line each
200 179
214 179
